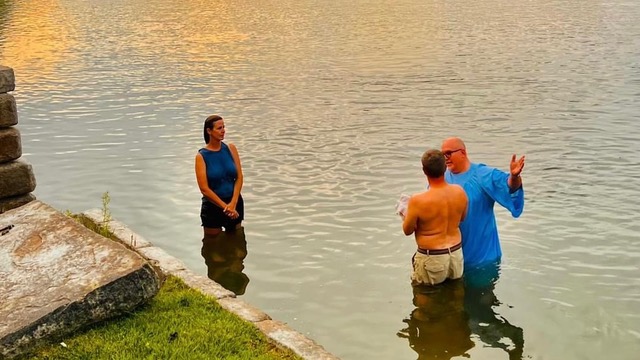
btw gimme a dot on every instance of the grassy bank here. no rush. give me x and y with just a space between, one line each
178 323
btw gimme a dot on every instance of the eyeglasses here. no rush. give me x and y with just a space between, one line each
447 154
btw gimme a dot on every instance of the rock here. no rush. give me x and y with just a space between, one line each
16 178
7 79
56 277
13 202
8 111
10 145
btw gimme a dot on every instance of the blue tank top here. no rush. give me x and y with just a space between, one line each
221 171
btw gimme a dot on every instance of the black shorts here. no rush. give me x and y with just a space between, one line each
213 216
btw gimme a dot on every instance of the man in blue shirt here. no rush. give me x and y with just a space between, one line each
484 187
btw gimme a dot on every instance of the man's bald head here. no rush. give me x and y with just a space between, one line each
455 153
454 143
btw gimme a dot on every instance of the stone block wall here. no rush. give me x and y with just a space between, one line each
16 176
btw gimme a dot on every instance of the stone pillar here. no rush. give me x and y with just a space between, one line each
16 176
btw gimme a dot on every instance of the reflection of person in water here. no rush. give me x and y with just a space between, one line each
224 255
438 327
448 316
479 303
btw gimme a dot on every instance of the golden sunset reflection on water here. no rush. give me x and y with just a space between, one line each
39 40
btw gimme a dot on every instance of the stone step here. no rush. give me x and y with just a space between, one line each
56 277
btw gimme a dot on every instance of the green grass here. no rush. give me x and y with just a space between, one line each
178 323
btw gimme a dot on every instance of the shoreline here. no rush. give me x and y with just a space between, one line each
276 331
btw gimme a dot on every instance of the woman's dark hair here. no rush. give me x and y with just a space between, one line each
208 124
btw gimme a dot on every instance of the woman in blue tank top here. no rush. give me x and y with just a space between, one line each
219 176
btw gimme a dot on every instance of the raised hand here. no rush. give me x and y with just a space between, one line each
516 166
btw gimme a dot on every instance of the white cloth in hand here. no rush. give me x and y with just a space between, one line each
401 205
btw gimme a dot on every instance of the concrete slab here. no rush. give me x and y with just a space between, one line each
300 344
120 230
56 276
203 284
162 259
244 310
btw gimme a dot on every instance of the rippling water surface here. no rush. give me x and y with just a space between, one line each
331 104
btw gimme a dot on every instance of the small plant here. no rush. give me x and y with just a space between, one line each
106 214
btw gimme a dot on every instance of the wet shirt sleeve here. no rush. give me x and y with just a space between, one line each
496 184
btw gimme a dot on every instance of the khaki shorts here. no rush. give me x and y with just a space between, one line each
434 269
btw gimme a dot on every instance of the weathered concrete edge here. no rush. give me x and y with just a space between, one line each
277 331
59 323
125 235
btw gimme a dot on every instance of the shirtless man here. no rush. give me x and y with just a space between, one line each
434 216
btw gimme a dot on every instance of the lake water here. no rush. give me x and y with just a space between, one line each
331 104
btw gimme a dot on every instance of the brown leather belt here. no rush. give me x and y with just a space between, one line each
440 251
